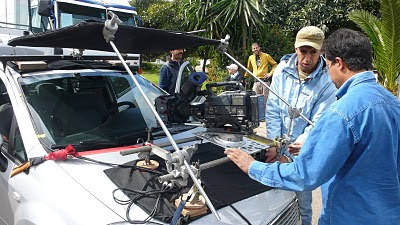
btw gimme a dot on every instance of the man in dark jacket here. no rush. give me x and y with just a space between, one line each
169 71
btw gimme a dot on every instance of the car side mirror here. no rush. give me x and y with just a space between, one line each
3 160
44 8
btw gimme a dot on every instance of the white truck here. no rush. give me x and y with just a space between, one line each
24 17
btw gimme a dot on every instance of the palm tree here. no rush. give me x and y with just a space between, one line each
219 17
384 35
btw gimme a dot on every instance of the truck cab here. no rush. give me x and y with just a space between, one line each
56 14
18 18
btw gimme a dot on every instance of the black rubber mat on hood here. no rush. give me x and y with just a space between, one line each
224 184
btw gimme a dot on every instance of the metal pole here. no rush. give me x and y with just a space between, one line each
29 15
56 16
266 85
166 131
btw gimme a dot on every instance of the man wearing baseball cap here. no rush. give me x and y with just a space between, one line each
303 80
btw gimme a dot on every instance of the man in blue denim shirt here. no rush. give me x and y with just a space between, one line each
302 79
353 150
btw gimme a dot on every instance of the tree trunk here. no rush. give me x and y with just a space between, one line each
398 87
244 37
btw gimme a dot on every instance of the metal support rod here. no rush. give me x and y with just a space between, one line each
192 175
56 16
214 163
136 150
266 85
179 141
290 127
166 177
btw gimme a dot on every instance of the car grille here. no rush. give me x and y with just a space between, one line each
290 216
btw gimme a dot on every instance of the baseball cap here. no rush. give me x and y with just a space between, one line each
232 66
310 36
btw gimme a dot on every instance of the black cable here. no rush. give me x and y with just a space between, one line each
120 165
135 195
241 215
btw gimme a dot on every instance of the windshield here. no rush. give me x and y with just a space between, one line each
126 18
71 14
100 106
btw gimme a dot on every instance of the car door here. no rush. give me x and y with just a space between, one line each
12 153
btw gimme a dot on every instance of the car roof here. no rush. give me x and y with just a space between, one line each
30 63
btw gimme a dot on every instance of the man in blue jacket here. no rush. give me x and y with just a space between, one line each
353 150
303 80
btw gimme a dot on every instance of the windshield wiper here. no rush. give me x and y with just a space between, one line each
86 145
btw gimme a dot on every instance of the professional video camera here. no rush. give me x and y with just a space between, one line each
236 111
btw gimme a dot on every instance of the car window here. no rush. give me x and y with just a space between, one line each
18 149
10 133
121 85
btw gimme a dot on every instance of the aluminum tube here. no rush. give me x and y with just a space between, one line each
214 163
179 141
136 150
166 177
195 180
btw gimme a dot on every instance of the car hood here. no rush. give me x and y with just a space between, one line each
91 177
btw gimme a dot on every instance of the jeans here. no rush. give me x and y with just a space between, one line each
260 89
305 200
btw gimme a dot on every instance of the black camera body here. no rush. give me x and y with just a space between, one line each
236 111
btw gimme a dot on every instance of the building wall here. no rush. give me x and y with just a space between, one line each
14 14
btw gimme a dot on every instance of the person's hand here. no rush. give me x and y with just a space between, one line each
270 155
295 147
268 75
283 159
240 158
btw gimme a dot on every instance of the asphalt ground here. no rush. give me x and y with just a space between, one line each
317 200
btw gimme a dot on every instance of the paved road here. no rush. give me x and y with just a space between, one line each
317 200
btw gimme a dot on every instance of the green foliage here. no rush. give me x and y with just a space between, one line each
238 18
384 35
143 5
215 74
152 76
151 71
150 66
164 16
159 14
194 61
275 42
329 15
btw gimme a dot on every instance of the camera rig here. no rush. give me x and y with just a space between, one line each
236 111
